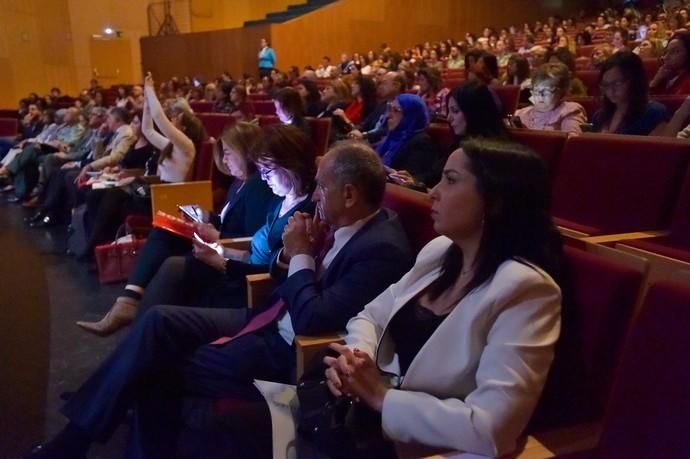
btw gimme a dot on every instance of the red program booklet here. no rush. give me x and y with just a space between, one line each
174 224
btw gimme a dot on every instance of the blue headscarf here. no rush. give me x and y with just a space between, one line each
415 119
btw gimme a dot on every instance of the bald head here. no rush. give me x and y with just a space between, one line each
71 116
391 85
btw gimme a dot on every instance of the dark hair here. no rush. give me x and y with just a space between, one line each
121 114
480 110
356 163
473 54
564 56
513 182
288 147
433 76
522 65
490 62
50 114
632 69
684 38
586 37
245 139
290 102
367 92
313 96
193 129
226 88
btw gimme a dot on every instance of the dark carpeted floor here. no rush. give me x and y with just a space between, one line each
74 294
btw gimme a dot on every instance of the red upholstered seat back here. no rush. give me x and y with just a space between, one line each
651 66
9 113
591 80
8 127
203 162
215 123
255 97
585 50
414 210
619 183
268 120
599 299
442 135
508 96
202 107
264 107
648 414
589 103
680 224
320 133
547 144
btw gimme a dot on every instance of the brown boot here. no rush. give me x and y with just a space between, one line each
120 315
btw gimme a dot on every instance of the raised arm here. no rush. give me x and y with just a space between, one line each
149 132
177 137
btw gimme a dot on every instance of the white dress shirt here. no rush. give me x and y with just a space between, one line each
303 261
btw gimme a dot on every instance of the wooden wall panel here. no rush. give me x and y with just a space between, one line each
204 54
348 25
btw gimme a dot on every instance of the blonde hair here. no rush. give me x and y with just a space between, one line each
554 73
341 90
245 139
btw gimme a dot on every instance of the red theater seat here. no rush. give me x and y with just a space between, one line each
599 299
264 107
591 80
320 133
203 162
547 144
589 103
648 413
609 184
651 66
414 210
8 127
509 96
442 135
585 50
256 97
8 113
202 107
215 123
268 120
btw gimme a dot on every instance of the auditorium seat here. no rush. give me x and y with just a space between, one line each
8 127
671 102
216 123
509 96
414 210
600 295
589 103
320 133
267 120
9 113
609 184
585 50
257 97
648 412
547 144
452 83
651 66
203 162
442 135
590 78
264 107
583 63
202 107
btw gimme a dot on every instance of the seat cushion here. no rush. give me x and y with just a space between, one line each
588 230
664 246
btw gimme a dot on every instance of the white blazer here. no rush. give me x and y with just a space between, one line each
475 383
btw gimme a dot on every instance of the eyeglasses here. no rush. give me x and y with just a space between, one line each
615 85
543 92
266 173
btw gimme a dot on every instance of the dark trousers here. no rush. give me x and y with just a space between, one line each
160 245
188 281
106 211
165 356
6 144
60 194
50 164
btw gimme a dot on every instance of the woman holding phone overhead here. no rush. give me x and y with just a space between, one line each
243 214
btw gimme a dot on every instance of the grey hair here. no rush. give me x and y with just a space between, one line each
357 164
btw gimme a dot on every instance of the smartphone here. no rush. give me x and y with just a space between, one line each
192 212
196 82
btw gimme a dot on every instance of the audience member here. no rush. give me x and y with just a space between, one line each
432 92
311 98
375 126
290 109
363 91
673 77
549 111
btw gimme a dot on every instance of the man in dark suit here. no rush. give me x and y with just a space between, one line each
167 353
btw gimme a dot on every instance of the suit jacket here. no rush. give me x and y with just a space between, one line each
248 210
83 147
116 149
376 256
479 396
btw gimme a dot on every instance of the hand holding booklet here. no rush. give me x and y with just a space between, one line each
174 225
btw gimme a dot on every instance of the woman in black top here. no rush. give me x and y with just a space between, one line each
309 92
290 109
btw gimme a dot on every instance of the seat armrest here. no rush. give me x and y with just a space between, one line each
307 347
609 238
238 243
259 288
124 173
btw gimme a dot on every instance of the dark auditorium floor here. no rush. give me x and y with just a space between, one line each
75 294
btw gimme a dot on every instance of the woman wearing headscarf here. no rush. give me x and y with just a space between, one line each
407 151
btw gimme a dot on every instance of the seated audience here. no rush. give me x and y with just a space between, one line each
290 109
455 59
472 113
433 93
335 95
311 98
363 91
325 70
374 127
157 364
51 120
673 77
29 127
497 262
549 111
518 74
407 150
223 102
242 109
626 108
565 57
243 214
619 41
600 54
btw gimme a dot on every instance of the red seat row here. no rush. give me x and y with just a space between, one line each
8 127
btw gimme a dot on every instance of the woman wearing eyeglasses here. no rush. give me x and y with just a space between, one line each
626 108
549 112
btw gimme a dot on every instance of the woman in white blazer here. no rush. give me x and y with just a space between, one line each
466 338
